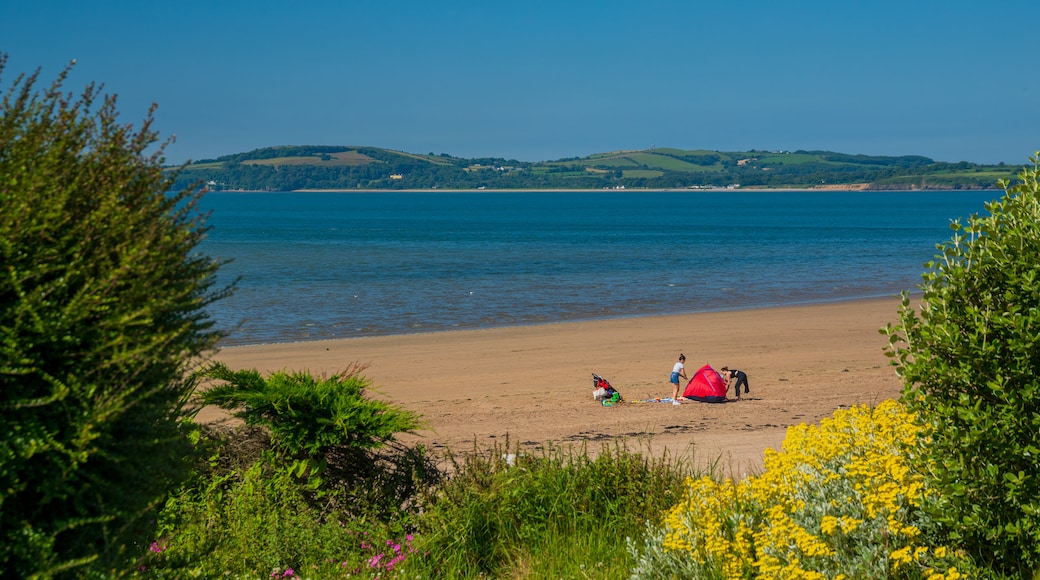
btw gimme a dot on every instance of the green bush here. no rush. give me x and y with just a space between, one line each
102 298
308 416
329 431
970 359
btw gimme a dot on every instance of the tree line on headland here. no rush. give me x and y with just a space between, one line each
290 168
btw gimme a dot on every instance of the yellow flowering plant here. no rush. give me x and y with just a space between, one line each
841 500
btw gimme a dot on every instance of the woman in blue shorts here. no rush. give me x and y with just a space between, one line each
679 370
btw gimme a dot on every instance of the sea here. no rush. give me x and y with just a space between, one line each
314 266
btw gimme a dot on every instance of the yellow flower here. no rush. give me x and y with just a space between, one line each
828 524
900 557
846 481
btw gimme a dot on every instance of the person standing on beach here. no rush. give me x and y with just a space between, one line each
679 370
740 376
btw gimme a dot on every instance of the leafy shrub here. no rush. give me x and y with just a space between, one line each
841 500
970 359
102 298
308 416
329 430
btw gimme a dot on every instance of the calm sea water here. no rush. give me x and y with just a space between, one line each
331 265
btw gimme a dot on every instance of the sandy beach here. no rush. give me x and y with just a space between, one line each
532 385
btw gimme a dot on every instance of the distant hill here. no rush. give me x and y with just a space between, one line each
290 168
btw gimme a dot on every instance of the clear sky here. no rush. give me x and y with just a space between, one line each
541 80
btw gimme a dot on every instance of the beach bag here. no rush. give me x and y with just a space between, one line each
603 392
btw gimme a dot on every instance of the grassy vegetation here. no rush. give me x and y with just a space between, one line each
787 158
559 512
644 173
434 159
347 158
657 161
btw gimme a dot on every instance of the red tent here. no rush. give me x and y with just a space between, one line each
706 385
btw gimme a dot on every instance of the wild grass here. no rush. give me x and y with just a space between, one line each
562 512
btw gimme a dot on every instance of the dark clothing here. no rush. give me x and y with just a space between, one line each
741 377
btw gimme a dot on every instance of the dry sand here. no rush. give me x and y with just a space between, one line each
533 385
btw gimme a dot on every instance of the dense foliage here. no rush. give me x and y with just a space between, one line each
327 167
970 358
102 298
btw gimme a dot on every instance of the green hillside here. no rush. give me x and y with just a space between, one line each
290 168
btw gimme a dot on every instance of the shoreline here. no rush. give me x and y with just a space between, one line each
808 302
531 385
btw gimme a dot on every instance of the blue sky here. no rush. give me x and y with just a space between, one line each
537 81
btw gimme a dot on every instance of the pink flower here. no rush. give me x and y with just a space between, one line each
390 565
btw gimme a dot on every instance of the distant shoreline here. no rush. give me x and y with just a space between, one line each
359 168
834 188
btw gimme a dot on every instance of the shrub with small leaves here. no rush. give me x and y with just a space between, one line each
969 355
102 297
